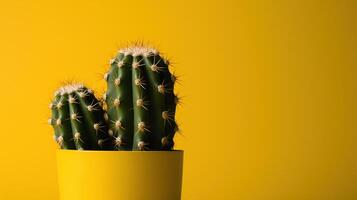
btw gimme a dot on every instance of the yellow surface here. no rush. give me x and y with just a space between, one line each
269 90
86 175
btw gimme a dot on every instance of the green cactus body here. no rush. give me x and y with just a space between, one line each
79 120
140 79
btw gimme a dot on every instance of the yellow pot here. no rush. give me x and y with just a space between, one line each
119 175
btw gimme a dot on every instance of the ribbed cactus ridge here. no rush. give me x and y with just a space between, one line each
78 120
140 100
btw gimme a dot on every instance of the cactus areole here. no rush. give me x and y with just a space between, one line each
140 100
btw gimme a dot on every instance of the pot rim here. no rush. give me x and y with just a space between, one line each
111 151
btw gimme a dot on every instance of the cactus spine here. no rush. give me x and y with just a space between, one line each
140 100
79 120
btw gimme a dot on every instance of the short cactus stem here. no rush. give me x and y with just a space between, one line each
78 119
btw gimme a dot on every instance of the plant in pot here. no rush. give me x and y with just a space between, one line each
121 147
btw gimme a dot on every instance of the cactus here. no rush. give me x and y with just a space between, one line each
140 100
78 119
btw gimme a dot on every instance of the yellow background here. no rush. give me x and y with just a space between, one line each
269 90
